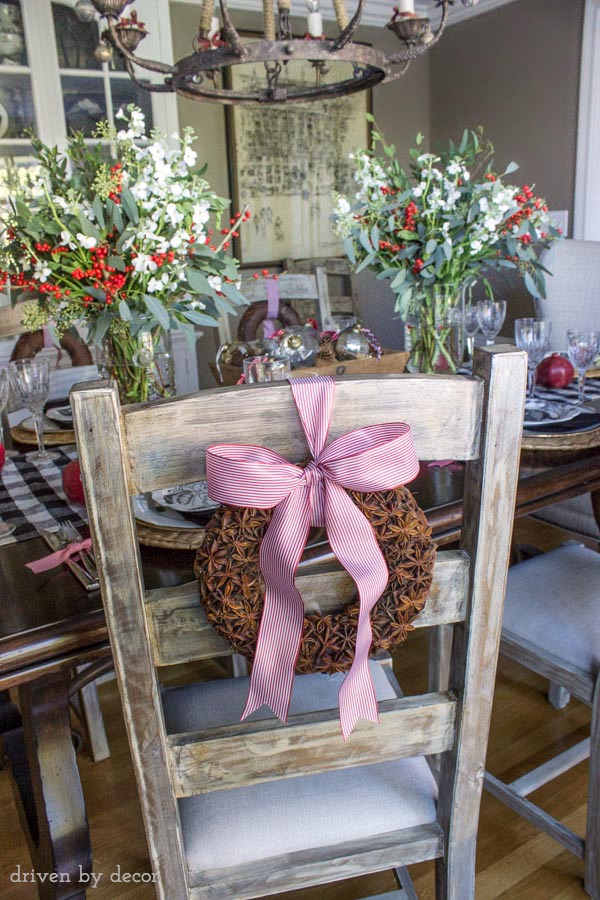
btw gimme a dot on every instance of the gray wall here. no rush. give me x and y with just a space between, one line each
515 70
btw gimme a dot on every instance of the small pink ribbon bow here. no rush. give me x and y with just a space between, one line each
59 556
375 458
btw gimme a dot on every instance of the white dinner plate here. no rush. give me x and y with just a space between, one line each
170 518
186 498
552 412
61 414
49 427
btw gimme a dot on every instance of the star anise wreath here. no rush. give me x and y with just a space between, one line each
232 587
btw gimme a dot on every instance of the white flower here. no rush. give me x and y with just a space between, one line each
66 238
418 191
476 246
189 157
173 215
343 207
140 190
42 271
85 241
178 239
142 263
200 213
454 168
215 282
157 284
197 304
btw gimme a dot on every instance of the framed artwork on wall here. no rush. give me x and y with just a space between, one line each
286 161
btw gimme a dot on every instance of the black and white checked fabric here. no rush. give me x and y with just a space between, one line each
31 496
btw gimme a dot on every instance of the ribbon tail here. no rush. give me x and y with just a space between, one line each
347 529
280 631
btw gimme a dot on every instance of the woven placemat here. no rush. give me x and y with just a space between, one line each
51 438
573 440
169 538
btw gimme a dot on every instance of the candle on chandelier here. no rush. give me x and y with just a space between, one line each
215 28
315 19
406 7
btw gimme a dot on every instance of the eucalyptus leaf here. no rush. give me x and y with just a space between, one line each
398 280
367 261
101 326
197 281
130 206
198 318
98 211
349 250
231 291
159 312
364 239
531 285
88 228
124 311
430 247
117 263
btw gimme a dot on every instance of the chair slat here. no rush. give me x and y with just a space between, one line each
167 440
267 750
290 287
333 863
180 631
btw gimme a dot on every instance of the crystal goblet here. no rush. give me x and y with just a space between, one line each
471 323
533 336
490 315
582 347
31 381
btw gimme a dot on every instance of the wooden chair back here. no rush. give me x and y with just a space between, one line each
124 451
308 293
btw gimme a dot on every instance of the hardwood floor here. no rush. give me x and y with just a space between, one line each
514 859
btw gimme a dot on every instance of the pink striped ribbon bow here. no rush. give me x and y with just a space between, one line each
59 556
378 457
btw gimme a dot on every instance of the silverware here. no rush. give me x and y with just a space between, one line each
55 542
69 533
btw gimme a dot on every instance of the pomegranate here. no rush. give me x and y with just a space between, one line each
71 481
555 371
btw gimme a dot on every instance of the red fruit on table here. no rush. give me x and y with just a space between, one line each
555 371
71 481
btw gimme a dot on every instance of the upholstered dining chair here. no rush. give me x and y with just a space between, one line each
241 810
556 633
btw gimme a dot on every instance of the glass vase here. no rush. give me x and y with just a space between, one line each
434 329
139 359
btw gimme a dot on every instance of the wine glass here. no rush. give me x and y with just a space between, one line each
471 327
31 381
490 315
533 336
582 347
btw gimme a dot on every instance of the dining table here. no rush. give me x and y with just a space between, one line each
53 637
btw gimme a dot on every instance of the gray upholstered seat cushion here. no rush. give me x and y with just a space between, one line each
553 601
234 827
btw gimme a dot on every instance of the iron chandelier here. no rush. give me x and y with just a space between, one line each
219 46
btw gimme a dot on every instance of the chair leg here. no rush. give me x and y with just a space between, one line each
592 838
405 882
558 696
88 709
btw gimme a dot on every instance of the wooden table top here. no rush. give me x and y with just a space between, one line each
48 620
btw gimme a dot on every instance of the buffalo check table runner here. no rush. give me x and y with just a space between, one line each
32 496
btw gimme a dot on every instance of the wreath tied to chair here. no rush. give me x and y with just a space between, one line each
232 587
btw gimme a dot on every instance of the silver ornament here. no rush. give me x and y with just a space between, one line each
353 343
300 344
85 11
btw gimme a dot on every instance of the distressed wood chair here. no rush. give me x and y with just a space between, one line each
243 810
556 633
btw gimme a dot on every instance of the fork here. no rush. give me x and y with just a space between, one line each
70 533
